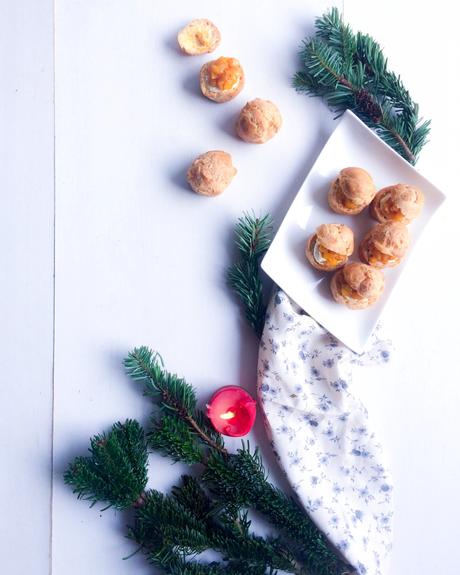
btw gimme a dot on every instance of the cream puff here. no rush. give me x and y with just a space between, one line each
357 285
222 80
211 173
258 121
398 203
330 246
200 36
385 245
351 191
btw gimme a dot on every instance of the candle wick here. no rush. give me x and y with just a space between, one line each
227 415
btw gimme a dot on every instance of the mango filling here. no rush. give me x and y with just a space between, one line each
346 202
224 73
390 210
395 213
331 258
377 257
349 292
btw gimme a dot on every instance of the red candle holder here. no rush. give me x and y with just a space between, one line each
232 411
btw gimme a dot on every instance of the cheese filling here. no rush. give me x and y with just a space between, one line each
317 254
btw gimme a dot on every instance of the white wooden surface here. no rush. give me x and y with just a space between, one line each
140 259
26 302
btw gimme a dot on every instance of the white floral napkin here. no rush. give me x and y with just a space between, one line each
321 435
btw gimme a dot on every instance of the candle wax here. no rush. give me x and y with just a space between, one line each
232 411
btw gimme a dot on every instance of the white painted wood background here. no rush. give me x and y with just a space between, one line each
99 117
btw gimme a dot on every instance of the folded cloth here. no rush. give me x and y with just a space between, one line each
321 435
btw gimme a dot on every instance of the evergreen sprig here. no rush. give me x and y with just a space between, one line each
170 528
350 71
173 438
116 471
175 564
172 392
166 523
246 470
252 238
175 398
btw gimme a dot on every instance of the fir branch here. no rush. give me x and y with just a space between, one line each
116 471
173 438
164 523
173 394
192 496
252 238
174 563
338 35
245 470
350 72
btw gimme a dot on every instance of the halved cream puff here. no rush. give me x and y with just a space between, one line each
385 245
222 80
398 203
351 191
357 285
200 36
330 246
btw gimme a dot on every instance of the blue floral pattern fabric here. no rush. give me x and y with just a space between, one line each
321 435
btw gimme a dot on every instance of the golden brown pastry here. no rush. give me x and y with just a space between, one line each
199 37
211 173
330 246
222 80
258 121
398 203
385 245
351 191
357 286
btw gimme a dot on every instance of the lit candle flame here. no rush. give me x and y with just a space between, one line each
227 415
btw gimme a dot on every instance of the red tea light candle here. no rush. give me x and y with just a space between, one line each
232 411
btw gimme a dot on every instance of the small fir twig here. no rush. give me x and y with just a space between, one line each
116 470
179 519
252 238
350 71
254 490
175 398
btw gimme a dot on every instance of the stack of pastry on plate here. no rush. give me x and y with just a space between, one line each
354 284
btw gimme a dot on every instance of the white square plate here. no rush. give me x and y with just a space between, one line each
351 144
